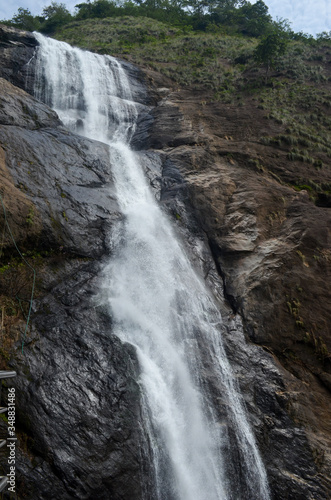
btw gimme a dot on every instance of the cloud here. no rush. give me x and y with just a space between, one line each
305 15
35 6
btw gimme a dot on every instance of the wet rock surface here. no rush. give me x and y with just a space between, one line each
17 49
69 180
78 401
67 176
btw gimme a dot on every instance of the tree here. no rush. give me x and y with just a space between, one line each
253 19
55 15
98 8
270 48
25 20
325 36
84 10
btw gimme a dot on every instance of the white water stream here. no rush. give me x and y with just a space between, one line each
158 302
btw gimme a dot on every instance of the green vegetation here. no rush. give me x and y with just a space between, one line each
231 16
210 45
319 346
270 49
231 51
303 258
293 306
4 418
302 110
30 216
239 17
53 16
200 60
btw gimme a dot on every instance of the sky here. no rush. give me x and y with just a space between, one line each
309 16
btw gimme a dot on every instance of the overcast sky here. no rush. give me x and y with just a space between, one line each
309 16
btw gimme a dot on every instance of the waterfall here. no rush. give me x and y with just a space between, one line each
158 302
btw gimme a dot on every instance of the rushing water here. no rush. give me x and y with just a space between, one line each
158 302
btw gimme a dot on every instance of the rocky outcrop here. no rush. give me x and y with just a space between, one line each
271 246
78 402
17 49
78 398
67 176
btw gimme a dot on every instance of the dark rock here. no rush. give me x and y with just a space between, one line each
141 134
67 177
21 110
137 83
79 399
271 249
10 37
292 474
78 402
169 127
17 51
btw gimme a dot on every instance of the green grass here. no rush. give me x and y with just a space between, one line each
296 97
200 60
209 60
304 112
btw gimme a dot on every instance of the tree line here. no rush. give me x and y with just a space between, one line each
228 16
232 17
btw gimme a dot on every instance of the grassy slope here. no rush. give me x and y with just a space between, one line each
195 59
297 96
286 121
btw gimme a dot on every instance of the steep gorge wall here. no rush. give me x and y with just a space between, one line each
77 390
271 244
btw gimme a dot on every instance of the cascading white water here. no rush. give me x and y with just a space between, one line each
158 302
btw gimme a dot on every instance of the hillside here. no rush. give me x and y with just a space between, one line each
255 157
245 164
295 100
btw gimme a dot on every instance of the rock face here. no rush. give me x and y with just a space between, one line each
17 50
78 400
69 177
78 408
271 246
